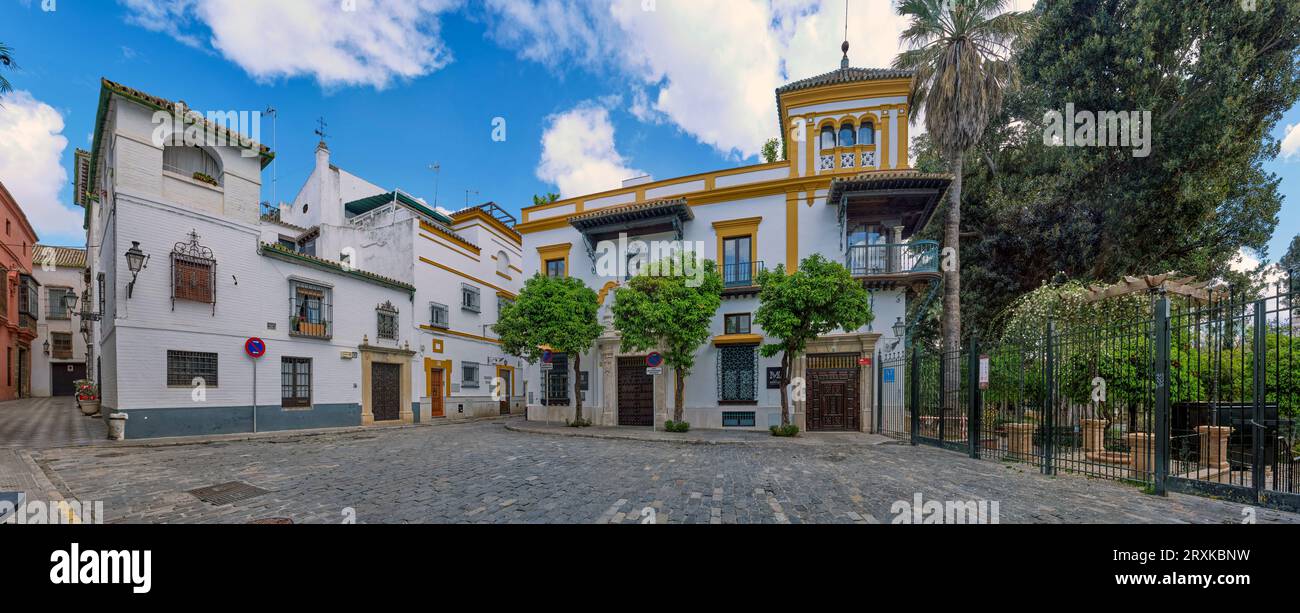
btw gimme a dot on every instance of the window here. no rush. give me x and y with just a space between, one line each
194 272
55 308
295 382
192 162
308 246
556 392
310 310
386 321
737 419
737 373
555 268
866 134
183 367
4 292
828 137
736 268
503 262
288 243
469 298
28 299
469 374
61 345
99 280
438 314
846 135
502 304
737 323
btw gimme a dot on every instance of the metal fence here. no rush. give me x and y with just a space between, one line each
1192 399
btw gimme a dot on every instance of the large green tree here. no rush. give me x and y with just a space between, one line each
1215 78
670 308
822 296
555 313
960 52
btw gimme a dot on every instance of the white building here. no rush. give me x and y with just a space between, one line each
59 356
169 343
464 266
846 191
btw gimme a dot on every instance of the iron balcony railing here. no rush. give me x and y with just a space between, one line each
740 274
893 258
310 317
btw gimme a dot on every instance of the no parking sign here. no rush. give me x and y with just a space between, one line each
255 347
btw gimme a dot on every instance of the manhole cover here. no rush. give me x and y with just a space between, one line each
226 493
272 520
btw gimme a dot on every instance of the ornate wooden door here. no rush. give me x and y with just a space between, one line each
636 395
385 391
833 392
435 393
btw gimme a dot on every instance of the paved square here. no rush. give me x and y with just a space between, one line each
481 472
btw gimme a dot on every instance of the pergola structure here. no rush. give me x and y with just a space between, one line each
1170 283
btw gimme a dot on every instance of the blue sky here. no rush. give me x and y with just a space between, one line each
590 93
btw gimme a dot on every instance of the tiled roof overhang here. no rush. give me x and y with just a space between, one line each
631 215
931 186
834 77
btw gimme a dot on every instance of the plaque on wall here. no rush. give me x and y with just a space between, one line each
583 380
774 377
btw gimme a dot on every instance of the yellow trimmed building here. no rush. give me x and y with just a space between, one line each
845 191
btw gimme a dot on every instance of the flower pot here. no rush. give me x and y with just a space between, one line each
117 426
89 407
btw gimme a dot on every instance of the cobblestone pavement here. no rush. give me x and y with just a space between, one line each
47 422
481 472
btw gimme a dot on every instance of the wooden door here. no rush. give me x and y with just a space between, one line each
507 386
636 396
435 392
833 392
385 391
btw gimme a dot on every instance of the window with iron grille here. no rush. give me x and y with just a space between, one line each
738 373
502 304
557 381
468 374
738 419
310 312
185 366
438 315
28 297
469 297
386 316
295 382
100 289
55 308
736 323
61 344
194 272
4 292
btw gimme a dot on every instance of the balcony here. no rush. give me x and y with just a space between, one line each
894 262
740 277
310 312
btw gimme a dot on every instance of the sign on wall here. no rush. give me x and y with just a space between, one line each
774 377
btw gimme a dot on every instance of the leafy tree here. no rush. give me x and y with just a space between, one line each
798 307
669 309
547 199
1291 260
773 150
7 61
1097 213
960 51
554 312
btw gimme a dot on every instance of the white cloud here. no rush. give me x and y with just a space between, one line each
372 44
578 152
31 169
708 66
1291 141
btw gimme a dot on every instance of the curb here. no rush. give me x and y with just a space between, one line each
176 441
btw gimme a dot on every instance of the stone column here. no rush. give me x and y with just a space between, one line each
1094 435
1214 446
1139 451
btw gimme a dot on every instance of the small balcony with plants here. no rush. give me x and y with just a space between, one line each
310 311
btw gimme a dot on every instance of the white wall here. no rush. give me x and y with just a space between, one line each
58 277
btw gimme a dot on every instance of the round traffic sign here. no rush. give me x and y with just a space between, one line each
654 360
255 347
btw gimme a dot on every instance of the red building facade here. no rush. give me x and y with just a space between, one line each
19 299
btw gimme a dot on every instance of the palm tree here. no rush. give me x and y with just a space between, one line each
960 55
6 60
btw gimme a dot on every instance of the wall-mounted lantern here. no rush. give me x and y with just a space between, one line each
136 260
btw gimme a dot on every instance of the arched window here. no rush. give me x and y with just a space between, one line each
866 134
828 137
503 262
846 135
192 162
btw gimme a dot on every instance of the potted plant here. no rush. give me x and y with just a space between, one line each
88 398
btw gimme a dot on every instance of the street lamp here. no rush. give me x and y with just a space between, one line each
136 260
46 346
900 329
70 303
